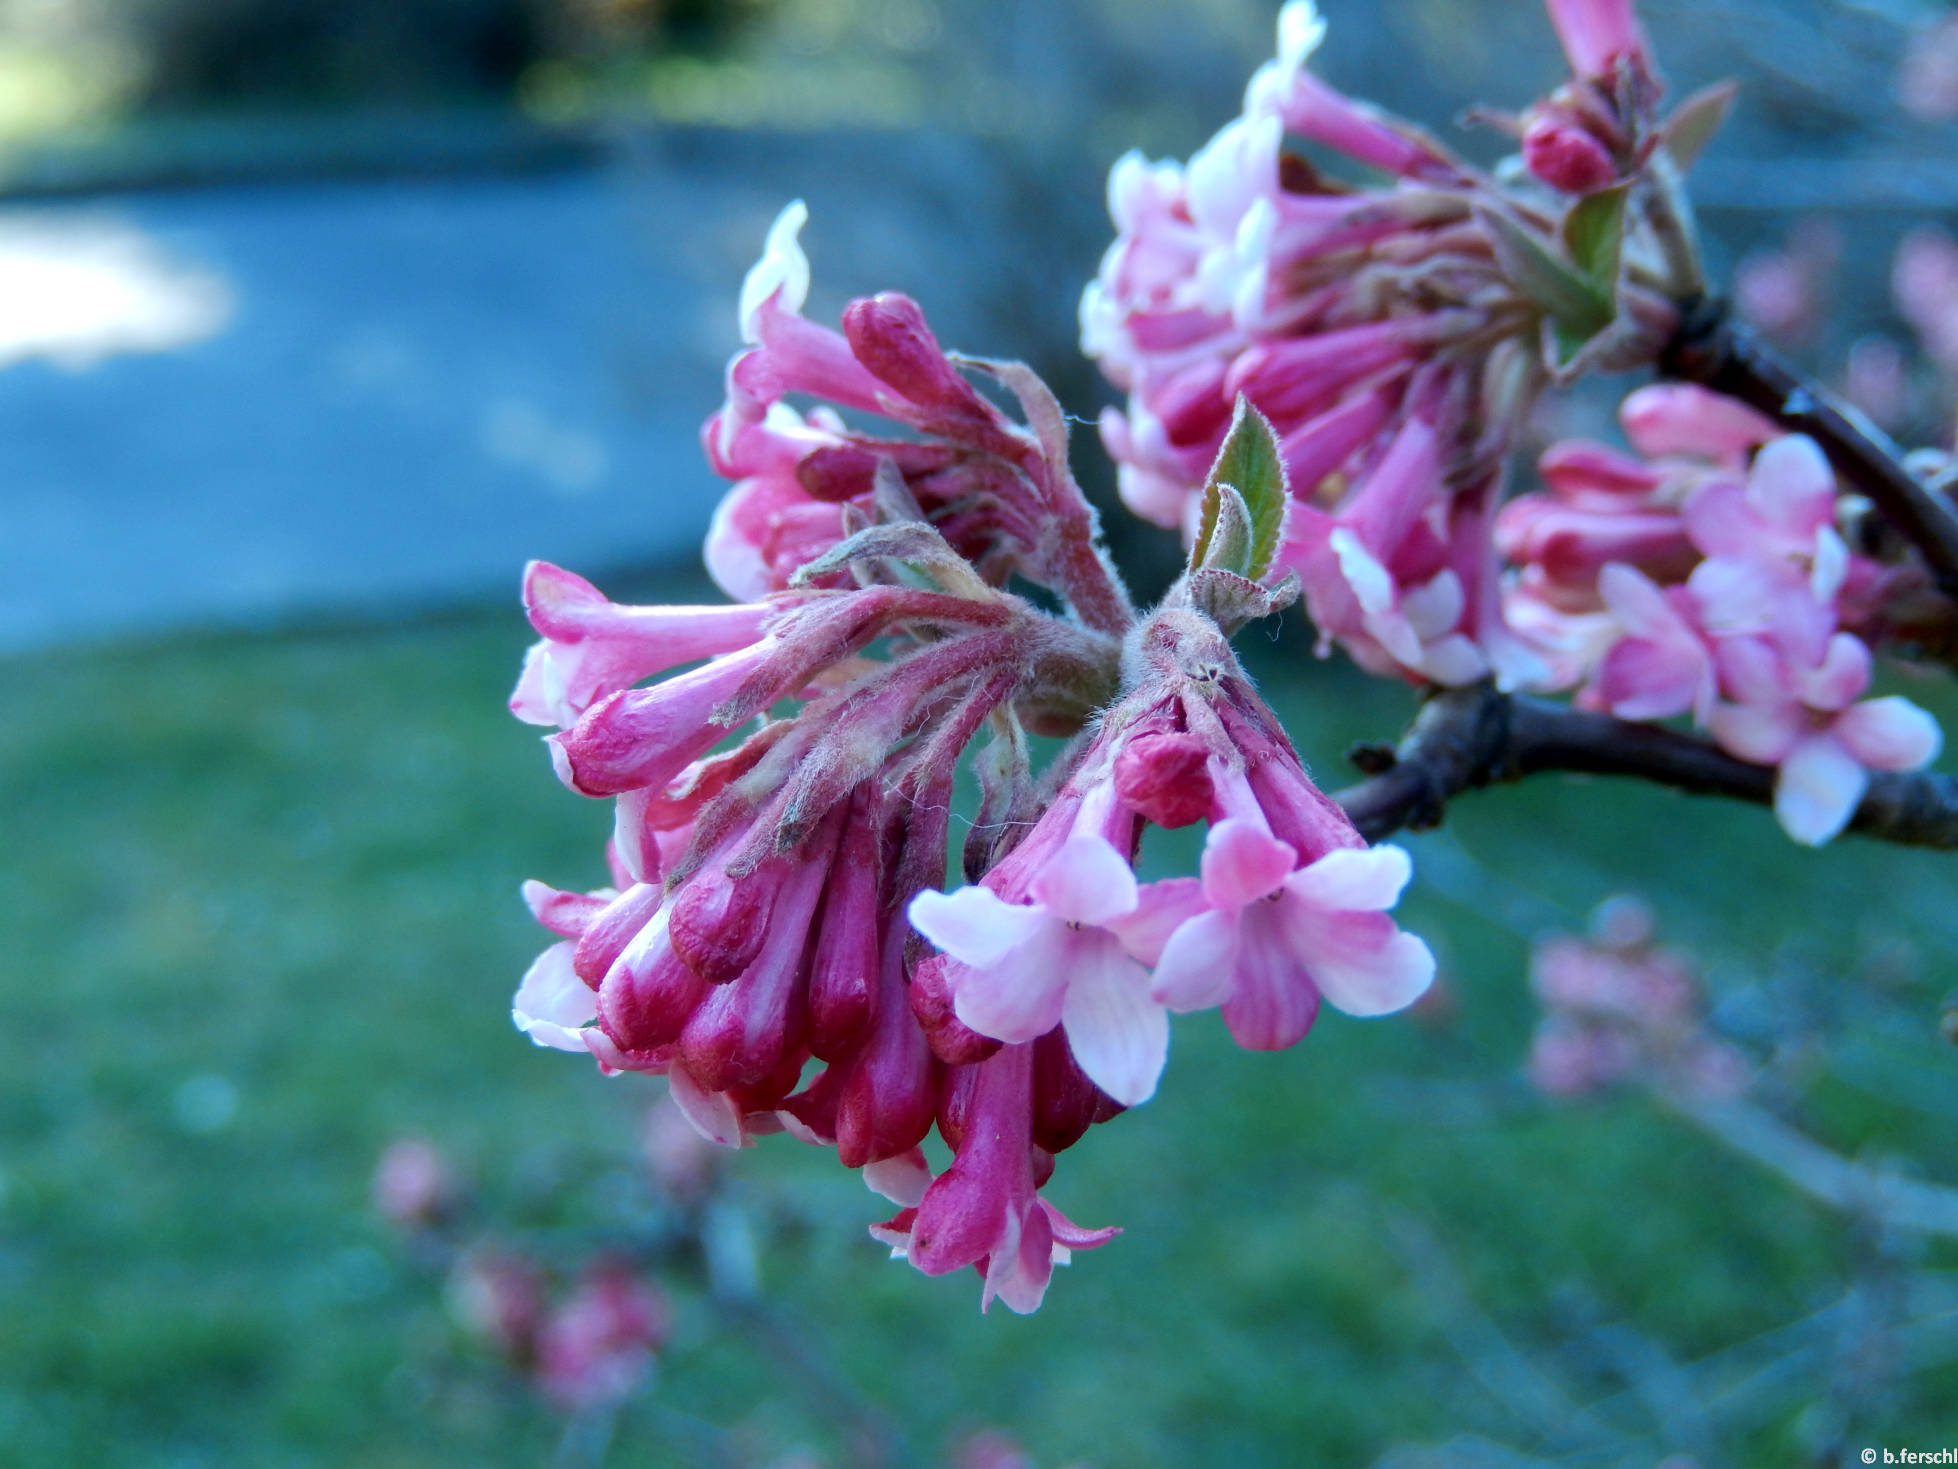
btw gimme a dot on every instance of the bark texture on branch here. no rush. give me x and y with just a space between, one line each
1464 739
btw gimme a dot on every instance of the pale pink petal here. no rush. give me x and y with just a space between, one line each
1736 594
1635 599
1844 673
1455 660
1751 671
1372 587
1118 1034
1362 879
1018 1269
1817 790
1273 1000
552 1004
1362 963
1018 996
1639 678
1720 521
1161 908
1889 734
1195 971
1761 734
1792 484
1829 568
1069 1236
1087 881
540 694
1242 862
902 1179
974 924
713 1114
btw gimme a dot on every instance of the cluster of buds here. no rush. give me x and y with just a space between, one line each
783 810
1395 334
1708 577
1618 1008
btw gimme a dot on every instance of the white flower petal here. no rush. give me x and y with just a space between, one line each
1119 1035
1086 881
782 267
974 924
1817 790
552 1004
1354 879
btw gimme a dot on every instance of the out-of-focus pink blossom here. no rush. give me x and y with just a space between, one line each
1876 378
1927 83
597 1345
1387 332
1597 35
498 1297
1924 285
1617 1008
1784 291
414 1185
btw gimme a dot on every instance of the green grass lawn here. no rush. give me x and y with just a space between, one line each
263 919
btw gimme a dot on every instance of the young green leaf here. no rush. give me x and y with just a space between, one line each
1553 285
1242 531
1593 234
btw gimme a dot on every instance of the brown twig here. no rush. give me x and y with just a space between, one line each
1713 350
1464 739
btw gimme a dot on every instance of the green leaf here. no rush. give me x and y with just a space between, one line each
1562 292
1593 234
1241 531
1694 122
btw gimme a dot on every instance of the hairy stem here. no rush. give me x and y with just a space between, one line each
1464 739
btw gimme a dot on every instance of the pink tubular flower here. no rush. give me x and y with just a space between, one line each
986 1210
1661 664
1394 335
592 647
992 488
1807 722
1277 936
1073 956
1597 34
1735 611
782 809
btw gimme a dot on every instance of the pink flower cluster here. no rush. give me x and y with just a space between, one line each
1616 1007
1707 578
782 809
1394 334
